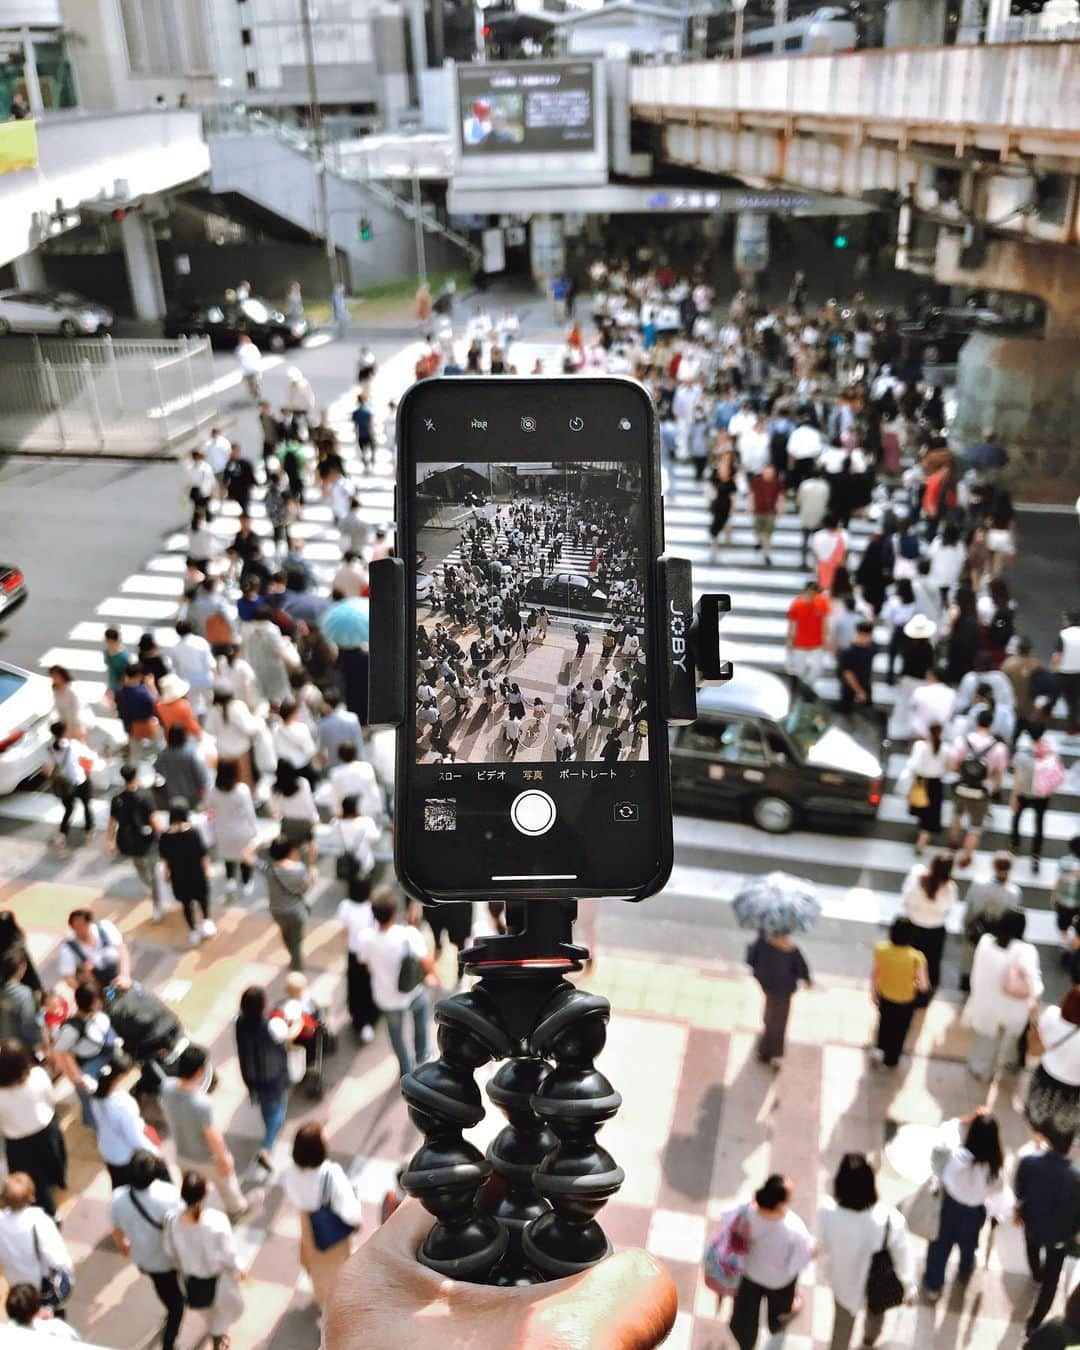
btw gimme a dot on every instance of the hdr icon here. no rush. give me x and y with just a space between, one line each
478 425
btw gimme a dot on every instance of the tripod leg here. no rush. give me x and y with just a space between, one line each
515 1153
578 1176
446 1172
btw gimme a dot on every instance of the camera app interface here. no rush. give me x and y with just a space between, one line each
530 609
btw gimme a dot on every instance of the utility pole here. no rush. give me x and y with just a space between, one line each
318 140
739 6
418 223
780 12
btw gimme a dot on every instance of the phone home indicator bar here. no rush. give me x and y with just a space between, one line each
540 876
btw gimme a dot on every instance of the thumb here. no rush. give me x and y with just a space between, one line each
627 1302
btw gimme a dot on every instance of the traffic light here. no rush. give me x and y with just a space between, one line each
839 239
364 229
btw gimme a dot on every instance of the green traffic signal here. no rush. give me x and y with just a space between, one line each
840 241
365 231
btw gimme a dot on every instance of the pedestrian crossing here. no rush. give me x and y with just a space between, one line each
859 876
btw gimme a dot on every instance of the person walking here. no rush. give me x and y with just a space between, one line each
986 901
1047 1189
851 1227
979 760
1065 663
767 500
197 1142
355 916
249 359
807 617
855 668
68 780
779 1248
829 546
969 1161
118 1124
779 968
84 1044
236 829
1006 985
1037 774
927 896
133 833
292 802
138 1212
384 951
329 1209
811 499
898 980
31 1248
21 1017
183 769
288 882
186 860
26 1309
721 494
33 1142
261 1040
923 782
93 947
1052 1107
200 1243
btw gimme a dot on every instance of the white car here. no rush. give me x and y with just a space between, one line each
64 312
26 709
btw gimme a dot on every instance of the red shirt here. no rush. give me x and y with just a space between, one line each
809 618
765 493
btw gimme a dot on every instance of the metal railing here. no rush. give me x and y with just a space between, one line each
107 397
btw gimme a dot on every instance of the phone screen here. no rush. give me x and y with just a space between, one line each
530 534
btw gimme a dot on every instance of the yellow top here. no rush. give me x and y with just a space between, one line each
896 970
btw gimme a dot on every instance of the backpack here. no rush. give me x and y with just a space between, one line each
973 770
1000 628
1048 775
80 1023
217 630
725 1256
134 832
143 1022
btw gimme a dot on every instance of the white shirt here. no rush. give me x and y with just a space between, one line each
1070 650
216 450
946 562
104 934
65 759
249 357
308 1188
356 780
358 836
381 951
120 1127
779 1249
754 449
919 907
350 579
193 661
28 1107
294 742
233 733
18 1260
823 543
300 806
930 704
924 763
357 920
989 1010
848 1239
1062 1057
201 1249
968 1182
804 442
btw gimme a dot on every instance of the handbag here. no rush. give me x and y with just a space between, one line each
884 1289
328 1228
56 1285
410 972
200 1291
918 798
725 1256
922 1209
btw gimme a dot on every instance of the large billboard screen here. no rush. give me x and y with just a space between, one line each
527 107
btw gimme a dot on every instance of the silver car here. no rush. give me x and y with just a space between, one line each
64 312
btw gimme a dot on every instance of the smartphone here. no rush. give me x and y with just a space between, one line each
533 763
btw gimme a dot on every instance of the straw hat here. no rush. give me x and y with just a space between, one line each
171 687
920 628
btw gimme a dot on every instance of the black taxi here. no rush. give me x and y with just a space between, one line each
766 746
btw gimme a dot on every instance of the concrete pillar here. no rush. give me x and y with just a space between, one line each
143 268
914 23
30 271
969 28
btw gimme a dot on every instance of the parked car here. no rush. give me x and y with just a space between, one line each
222 321
26 709
13 590
566 590
936 338
423 587
64 312
766 746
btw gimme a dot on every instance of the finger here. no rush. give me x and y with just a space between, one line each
628 1302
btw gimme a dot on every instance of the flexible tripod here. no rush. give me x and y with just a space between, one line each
527 1212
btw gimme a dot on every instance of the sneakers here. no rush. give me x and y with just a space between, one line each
158 914
249 888
207 928
230 887
195 937
367 1035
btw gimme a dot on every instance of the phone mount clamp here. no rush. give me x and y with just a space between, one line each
527 1211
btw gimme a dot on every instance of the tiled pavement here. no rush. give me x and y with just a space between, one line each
701 1123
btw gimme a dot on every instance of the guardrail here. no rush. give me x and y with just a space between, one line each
107 397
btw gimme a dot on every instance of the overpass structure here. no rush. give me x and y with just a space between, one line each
977 148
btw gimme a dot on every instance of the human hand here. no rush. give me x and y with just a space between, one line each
385 1297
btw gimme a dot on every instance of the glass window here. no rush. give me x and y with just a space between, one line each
704 738
807 721
55 78
742 742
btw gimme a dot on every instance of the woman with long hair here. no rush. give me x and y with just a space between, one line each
928 894
923 778
1006 985
200 1242
330 1213
293 804
969 1161
236 829
261 1038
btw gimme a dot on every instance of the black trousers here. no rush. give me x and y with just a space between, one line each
362 1009
931 942
894 1021
746 1312
167 1287
81 794
1045 1264
1038 805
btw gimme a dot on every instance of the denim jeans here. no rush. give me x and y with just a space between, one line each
273 1103
959 1227
419 1010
